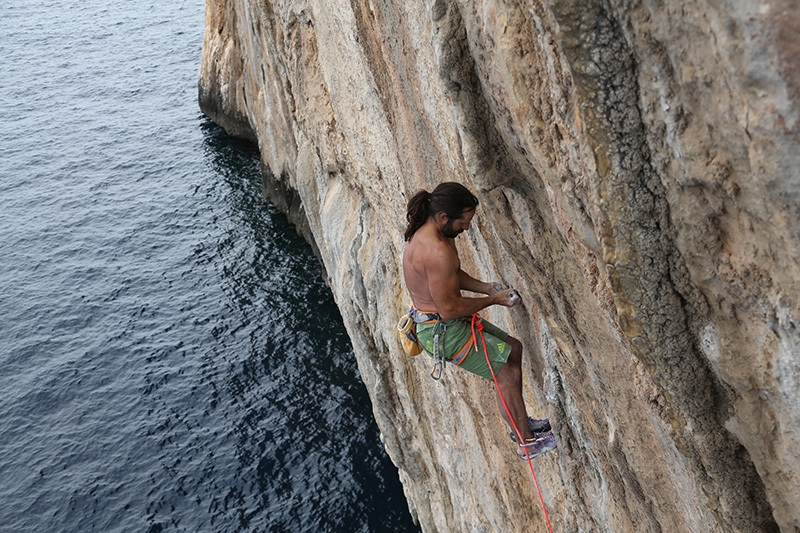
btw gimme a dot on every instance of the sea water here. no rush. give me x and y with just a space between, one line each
170 358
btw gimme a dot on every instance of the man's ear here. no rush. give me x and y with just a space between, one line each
440 218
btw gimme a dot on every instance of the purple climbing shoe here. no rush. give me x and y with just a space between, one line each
539 428
538 446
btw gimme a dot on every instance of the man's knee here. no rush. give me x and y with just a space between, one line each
515 357
512 369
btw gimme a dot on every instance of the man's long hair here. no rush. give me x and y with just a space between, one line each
450 198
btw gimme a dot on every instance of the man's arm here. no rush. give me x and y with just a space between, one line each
445 283
468 283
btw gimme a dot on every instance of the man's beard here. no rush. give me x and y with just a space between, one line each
449 232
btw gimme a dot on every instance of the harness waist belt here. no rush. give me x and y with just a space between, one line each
420 317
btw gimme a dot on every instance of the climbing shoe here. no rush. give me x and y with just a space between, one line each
537 447
539 428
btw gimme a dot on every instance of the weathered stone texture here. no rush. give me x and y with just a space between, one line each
637 164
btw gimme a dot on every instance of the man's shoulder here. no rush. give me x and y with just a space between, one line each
433 253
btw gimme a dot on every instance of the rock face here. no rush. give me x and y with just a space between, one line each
637 165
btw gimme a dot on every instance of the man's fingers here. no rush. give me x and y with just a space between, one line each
510 298
497 287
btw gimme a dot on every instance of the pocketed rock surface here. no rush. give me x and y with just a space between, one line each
637 164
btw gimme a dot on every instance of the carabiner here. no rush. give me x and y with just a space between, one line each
436 372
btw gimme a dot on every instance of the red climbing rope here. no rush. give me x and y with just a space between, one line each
477 325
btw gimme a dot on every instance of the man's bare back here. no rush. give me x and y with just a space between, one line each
419 257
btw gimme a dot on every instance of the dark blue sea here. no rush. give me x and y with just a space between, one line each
170 357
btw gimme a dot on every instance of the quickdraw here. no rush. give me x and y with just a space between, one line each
438 358
439 329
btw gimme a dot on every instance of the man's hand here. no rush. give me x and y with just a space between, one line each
507 297
510 298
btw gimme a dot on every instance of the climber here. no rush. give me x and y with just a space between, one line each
434 278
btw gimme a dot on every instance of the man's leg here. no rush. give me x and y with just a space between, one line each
509 381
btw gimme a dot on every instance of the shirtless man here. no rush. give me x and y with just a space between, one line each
435 280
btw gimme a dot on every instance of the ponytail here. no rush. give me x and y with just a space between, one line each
449 198
417 212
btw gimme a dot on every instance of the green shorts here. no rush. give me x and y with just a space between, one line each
457 347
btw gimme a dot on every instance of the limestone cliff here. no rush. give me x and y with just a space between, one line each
637 165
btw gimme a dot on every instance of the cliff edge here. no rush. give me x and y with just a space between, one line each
637 166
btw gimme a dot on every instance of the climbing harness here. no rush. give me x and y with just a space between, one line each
477 330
